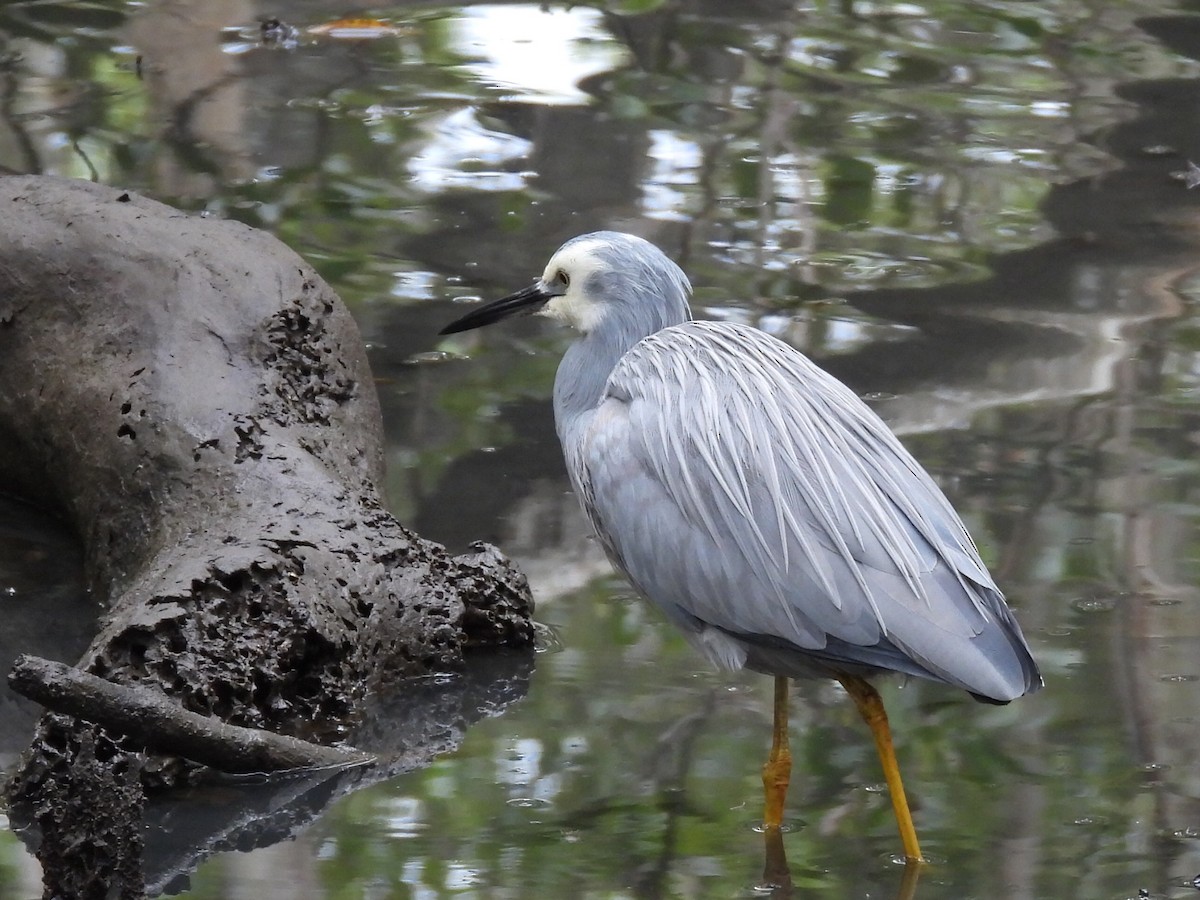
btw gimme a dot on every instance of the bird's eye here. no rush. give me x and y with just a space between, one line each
564 278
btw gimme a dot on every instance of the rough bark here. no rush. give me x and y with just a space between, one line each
91 826
196 401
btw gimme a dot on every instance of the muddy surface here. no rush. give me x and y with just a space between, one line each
195 401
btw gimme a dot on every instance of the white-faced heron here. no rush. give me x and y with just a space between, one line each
759 503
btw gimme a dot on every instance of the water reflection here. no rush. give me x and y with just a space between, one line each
841 174
407 731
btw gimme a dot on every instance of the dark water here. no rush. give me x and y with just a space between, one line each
969 212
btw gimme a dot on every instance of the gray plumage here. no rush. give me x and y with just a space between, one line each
752 497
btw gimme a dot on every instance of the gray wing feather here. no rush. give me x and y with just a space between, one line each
753 496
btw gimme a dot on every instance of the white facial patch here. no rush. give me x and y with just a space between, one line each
578 262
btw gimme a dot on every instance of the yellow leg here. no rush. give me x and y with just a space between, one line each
870 706
778 768
777 877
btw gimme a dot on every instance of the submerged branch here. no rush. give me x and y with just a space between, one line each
153 720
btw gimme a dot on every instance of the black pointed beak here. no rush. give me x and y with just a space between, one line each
527 300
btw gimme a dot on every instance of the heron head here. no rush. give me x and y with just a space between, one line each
605 276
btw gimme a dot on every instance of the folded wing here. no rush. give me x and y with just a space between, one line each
772 515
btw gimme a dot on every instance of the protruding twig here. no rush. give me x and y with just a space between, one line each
161 725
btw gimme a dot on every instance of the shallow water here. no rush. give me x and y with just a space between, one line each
968 212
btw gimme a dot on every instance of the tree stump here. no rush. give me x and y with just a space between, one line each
197 402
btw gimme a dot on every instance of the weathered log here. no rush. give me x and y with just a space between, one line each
196 401
151 720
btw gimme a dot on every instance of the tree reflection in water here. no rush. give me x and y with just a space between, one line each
966 211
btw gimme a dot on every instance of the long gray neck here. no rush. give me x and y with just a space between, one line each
582 374
640 299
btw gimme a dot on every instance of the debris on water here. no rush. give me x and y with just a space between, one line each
1189 833
527 803
1165 601
546 639
1097 603
356 29
1190 176
1177 678
428 357
277 33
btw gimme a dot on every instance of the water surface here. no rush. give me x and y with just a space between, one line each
966 211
